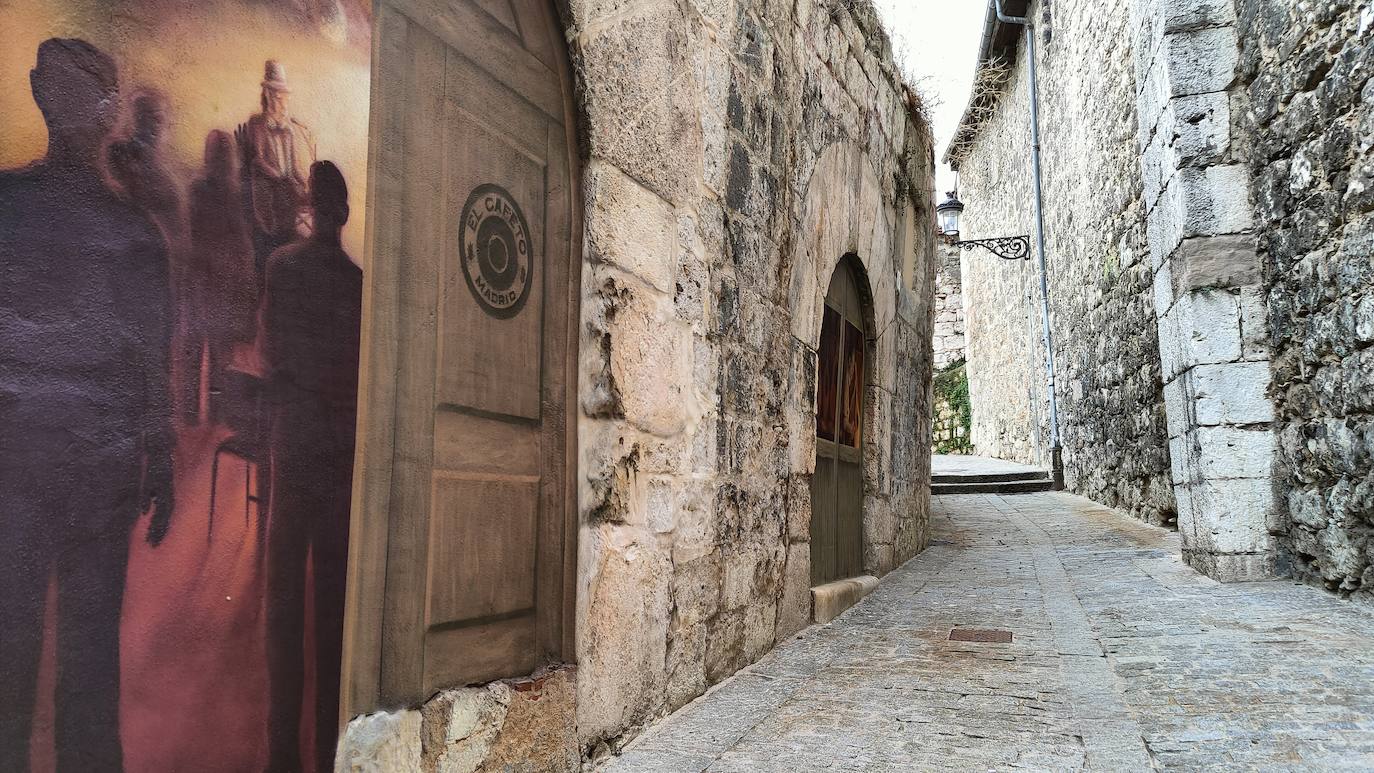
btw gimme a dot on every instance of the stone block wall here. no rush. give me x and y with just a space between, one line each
1001 315
1309 120
1207 294
950 433
738 150
949 307
1102 313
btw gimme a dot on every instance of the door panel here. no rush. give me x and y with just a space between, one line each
837 486
492 543
481 233
849 519
490 342
823 567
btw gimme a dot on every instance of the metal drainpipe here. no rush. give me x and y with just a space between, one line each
1056 448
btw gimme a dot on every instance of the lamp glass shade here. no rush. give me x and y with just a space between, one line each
948 212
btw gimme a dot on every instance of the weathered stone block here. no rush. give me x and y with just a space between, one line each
794 604
642 98
696 590
1200 61
651 362
1178 408
1215 453
686 665
622 640
1200 126
1162 282
630 227
1215 200
1254 324
1231 393
380 743
1202 327
1181 15
1204 262
1229 516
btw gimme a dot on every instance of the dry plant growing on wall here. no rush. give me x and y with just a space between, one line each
988 85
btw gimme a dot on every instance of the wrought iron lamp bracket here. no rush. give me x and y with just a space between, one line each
1004 247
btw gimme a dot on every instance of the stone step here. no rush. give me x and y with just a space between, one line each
993 487
989 477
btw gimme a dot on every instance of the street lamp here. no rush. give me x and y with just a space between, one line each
1005 247
948 213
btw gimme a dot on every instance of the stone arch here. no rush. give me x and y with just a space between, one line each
844 217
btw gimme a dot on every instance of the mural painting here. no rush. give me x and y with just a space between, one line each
180 301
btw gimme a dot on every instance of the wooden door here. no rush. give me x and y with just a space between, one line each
837 486
467 460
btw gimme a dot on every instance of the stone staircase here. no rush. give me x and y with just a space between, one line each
1018 482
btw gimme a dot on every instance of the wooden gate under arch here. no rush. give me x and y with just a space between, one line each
837 488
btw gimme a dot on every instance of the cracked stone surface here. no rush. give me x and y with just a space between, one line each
1123 658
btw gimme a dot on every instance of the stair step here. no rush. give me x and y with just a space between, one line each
993 487
990 477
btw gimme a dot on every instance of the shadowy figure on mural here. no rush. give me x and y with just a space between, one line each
220 287
85 430
311 323
138 166
139 170
277 151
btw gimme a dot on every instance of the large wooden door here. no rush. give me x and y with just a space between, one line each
474 212
837 488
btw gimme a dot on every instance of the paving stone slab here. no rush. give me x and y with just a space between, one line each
1122 658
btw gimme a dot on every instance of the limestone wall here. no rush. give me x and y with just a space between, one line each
1001 318
737 151
1212 331
1305 69
1111 407
949 307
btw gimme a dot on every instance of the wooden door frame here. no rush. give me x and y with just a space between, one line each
364 614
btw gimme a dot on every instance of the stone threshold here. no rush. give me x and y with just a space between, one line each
828 601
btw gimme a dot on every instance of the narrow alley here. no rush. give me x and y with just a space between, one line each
1122 658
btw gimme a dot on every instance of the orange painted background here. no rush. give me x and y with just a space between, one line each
194 684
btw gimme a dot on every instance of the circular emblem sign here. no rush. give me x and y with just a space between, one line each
495 243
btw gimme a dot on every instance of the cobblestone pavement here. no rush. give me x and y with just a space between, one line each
1122 659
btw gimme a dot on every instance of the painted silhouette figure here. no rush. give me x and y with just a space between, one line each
139 167
311 323
220 286
85 435
277 151
139 170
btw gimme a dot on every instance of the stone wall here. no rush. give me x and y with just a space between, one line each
1305 70
1102 316
738 151
952 422
1207 290
793 145
1001 316
948 337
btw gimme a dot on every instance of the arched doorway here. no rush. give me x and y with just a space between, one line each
466 500
837 487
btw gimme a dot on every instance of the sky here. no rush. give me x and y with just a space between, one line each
936 44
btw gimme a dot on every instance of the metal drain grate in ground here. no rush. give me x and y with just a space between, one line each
980 635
